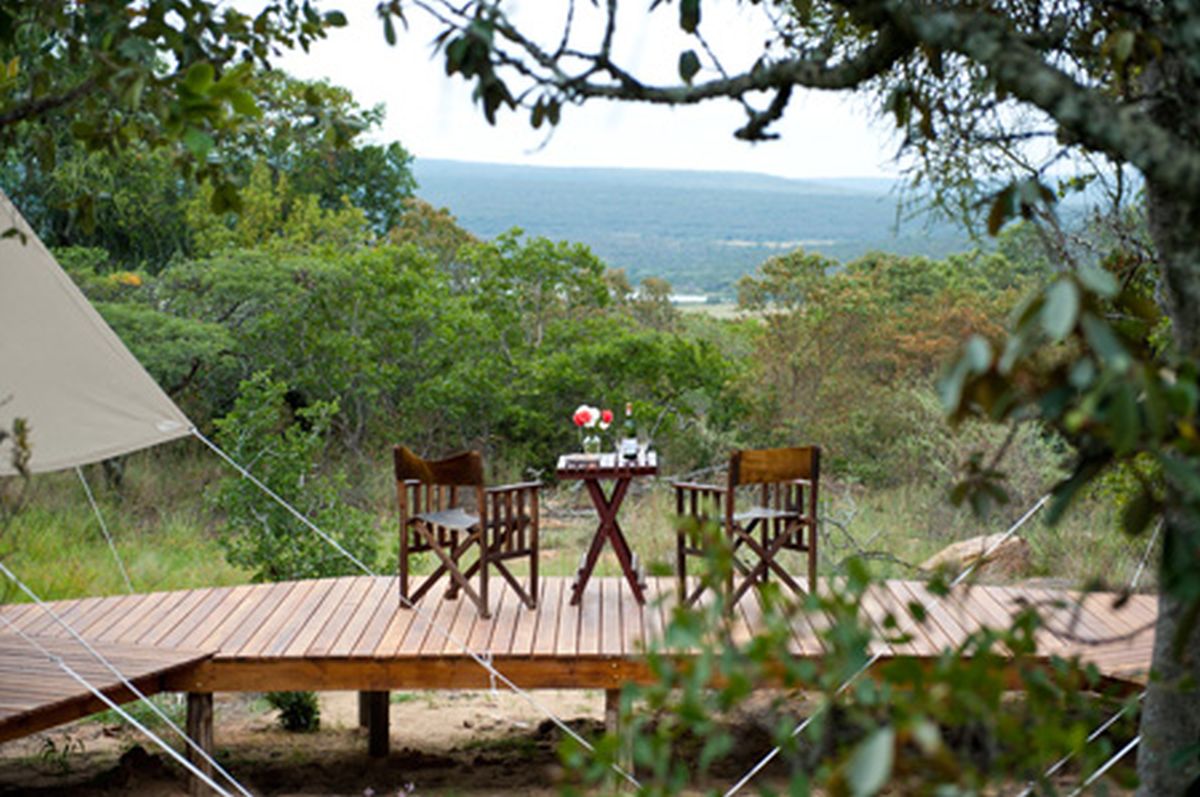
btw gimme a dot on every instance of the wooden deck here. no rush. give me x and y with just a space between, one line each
351 633
36 693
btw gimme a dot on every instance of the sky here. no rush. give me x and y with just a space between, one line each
823 135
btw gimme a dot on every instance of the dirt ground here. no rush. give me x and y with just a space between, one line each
442 743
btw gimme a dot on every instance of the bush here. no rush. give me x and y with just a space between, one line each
280 447
298 711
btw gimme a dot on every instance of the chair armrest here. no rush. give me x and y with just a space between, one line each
513 488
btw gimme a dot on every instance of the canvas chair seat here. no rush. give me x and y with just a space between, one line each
780 488
454 518
762 513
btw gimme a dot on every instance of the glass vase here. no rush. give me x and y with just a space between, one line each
591 443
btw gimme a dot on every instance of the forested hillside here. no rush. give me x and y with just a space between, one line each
699 230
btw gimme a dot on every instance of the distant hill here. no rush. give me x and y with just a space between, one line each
699 230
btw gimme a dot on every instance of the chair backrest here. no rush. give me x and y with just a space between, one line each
770 465
459 470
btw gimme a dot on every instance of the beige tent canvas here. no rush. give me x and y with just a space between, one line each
63 369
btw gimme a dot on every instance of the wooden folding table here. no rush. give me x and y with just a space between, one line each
592 469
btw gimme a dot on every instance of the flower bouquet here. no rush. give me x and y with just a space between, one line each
591 422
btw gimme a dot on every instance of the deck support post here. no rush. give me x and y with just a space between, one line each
200 731
364 702
614 727
377 722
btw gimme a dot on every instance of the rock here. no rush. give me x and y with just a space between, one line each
1009 558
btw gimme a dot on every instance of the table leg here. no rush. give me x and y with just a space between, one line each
607 507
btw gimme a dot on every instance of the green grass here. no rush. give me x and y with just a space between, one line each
167 534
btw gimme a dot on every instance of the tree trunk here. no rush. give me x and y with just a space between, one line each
1170 721
1171 714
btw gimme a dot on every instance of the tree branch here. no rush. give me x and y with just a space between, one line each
35 108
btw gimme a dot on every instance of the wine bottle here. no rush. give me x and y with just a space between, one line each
629 443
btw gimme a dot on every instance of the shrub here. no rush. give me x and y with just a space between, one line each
299 712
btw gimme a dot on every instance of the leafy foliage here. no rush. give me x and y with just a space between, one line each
159 75
299 712
948 726
281 450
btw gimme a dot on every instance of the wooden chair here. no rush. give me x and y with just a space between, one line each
446 509
772 492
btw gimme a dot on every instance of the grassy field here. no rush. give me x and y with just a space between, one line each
167 533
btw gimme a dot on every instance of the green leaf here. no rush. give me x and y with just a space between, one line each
389 30
1122 42
335 19
689 65
689 15
978 354
1183 473
1001 211
243 102
1138 513
199 77
1098 281
1061 309
1123 419
871 764
198 142
1105 342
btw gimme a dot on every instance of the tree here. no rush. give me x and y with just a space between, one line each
161 74
1101 85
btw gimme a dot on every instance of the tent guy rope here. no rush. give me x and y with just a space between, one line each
104 528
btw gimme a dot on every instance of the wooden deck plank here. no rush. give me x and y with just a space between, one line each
342 613
877 611
316 622
1015 600
166 624
545 641
30 614
391 637
274 622
505 623
587 643
388 607
806 630
300 619
90 619
152 616
610 616
568 627
269 596
241 601
652 615
375 595
527 624
925 635
458 629
122 620
939 610
426 634
212 606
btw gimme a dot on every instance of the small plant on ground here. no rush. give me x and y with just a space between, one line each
56 756
299 712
